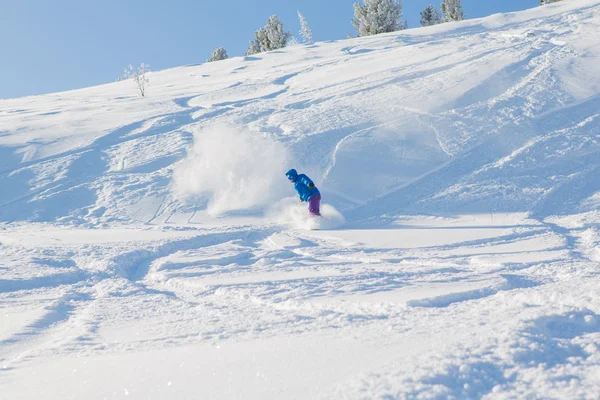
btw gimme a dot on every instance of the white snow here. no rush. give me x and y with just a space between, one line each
153 248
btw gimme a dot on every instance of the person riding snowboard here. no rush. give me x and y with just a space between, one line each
306 190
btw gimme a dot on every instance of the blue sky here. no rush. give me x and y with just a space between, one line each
54 45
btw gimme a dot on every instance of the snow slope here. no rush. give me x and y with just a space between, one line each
148 248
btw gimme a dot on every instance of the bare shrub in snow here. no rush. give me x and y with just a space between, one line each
378 16
218 55
544 2
139 76
269 37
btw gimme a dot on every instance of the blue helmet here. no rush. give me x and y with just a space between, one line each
292 174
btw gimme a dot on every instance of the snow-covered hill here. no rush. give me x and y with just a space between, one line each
149 247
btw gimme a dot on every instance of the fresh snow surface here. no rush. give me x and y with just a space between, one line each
151 248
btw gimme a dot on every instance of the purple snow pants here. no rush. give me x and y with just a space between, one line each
313 205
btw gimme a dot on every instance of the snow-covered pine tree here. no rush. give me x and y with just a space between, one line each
378 16
253 48
452 10
292 42
217 55
430 16
269 37
305 32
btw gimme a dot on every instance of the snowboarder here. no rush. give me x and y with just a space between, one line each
306 190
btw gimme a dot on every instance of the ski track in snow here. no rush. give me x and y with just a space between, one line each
465 158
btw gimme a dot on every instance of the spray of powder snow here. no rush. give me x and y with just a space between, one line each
294 214
233 168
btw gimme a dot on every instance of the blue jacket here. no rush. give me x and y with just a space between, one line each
303 185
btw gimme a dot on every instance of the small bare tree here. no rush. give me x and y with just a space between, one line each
139 76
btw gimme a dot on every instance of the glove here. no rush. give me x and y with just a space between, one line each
301 201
